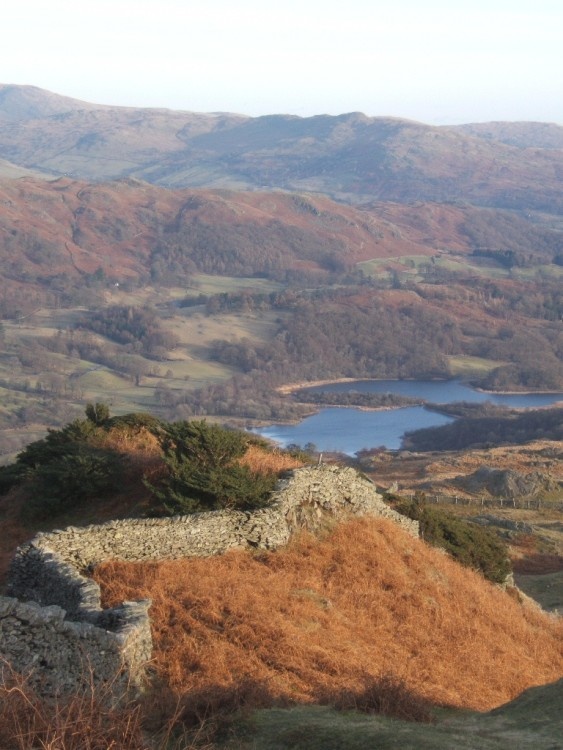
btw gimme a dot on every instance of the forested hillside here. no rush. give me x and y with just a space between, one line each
203 301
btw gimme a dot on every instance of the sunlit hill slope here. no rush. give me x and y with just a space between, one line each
304 623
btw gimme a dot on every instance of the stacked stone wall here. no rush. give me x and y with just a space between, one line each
60 656
63 604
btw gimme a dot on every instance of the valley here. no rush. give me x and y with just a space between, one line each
159 268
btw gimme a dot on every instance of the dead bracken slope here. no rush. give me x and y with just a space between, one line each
323 615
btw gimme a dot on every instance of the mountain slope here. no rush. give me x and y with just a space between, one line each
130 230
127 228
546 135
350 157
304 623
22 103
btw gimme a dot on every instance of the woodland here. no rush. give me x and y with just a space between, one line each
199 299
323 324
175 277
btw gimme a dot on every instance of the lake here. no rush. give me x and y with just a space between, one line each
348 430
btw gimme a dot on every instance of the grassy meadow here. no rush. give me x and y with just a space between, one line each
56 386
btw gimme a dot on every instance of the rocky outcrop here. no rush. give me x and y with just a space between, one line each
505 524
506 483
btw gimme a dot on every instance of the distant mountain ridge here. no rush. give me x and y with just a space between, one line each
21 103
350 157
546 135
426 189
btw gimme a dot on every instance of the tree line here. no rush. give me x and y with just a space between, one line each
483 432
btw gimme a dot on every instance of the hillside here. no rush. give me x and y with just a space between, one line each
127 230
325 617
365 616
265 265
132 231
350 157
544 135
262 650
451 266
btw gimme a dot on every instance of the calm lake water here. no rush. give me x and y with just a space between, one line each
348 430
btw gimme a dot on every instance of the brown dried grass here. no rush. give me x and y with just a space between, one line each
139 444
93 717
143 449
325 616
86 720
262 461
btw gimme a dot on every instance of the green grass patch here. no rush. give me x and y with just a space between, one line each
102 380
383 267
193 373
196 328
413 267
533 721
465 264
207 284
462 365
547 589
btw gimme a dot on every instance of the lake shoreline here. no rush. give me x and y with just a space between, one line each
293 387
347 427
290 388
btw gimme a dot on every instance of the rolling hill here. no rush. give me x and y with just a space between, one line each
350 157
442 244
127 228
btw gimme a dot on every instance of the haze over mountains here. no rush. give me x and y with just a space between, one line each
325 228
498 186
349 157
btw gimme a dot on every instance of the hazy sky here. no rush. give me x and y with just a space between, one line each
437 61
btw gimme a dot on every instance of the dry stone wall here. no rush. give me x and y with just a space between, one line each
56 607
61 656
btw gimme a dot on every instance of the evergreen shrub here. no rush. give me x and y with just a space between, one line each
471 545
203 473
80 472
65 467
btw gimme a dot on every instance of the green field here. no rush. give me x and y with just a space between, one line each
55 387
533 721
206 284
417 267
464 366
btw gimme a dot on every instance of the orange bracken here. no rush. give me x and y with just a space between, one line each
321 616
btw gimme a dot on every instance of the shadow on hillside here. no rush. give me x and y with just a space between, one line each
386 696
